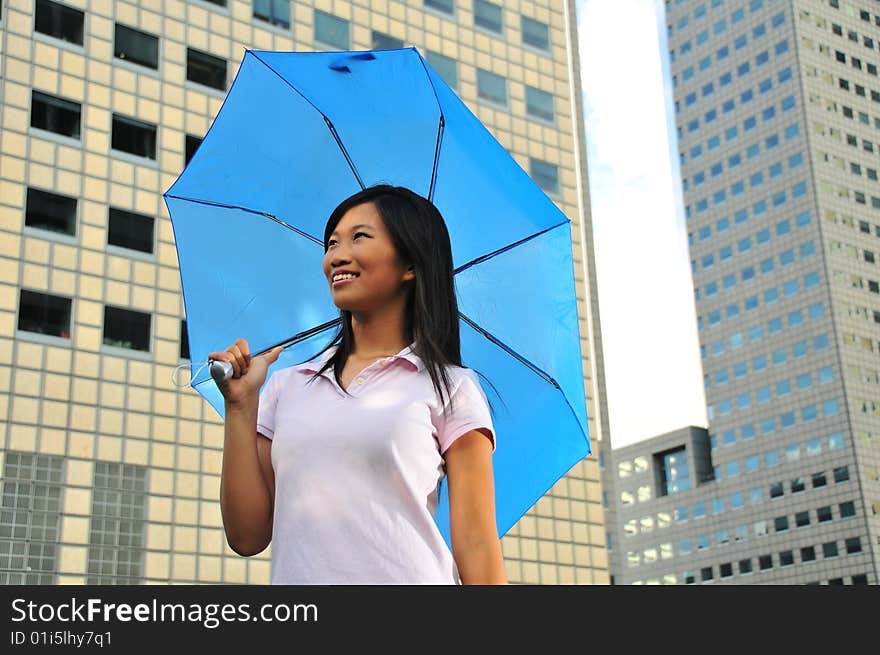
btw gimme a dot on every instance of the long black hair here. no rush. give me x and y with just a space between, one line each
420 238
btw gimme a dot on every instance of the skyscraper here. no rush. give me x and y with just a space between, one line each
111 474
777 109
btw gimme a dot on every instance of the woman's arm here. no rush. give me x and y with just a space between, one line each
247 485
247 482
475 543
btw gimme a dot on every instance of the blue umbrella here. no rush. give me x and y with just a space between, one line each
300 131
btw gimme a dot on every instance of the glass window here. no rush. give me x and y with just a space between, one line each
674 472
205 69
847 509
385 42
136 46
491 87
841 474
445 66
488 16
59 21
116 536
776 490
831 408
192 144
802 519
126 328
50 211
808 554
545 175
786 558
331 30
737 501
134 136
829 549
534 33
184 340
765 562
30 524
275 12
43 313
55 114
539 104
130 230
699 510
823 514
745 566
445 6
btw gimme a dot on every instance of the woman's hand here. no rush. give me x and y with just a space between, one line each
248 373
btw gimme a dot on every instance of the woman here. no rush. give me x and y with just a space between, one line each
353 445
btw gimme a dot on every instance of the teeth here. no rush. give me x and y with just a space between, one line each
344 276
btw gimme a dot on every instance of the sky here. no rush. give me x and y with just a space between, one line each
648 319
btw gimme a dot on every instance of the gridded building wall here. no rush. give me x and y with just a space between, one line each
840 47
103 104
30 518
758 138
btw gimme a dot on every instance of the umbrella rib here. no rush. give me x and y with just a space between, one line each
490 255
252 211
510 351
436 156
344 151
439 129
326 120
290 341
302 336
525 363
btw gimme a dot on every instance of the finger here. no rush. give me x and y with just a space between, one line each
244 348
241 360
273 354
235 361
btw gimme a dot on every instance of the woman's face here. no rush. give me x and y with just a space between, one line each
361 247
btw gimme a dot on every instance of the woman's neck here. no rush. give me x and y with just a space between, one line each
378 336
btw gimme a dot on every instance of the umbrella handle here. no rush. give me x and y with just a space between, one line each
221 371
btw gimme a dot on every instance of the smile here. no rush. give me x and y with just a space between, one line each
343 278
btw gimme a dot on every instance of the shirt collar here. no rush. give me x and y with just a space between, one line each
407 355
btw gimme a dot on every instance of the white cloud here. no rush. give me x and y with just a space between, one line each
652 365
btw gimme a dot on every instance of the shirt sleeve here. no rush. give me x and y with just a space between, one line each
266 408
468 410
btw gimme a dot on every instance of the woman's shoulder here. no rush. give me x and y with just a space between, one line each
459 375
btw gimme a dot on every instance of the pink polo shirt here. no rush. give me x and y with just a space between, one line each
356 476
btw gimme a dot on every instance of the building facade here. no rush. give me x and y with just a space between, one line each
778 112
110 474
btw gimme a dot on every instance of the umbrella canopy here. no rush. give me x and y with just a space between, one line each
297 133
